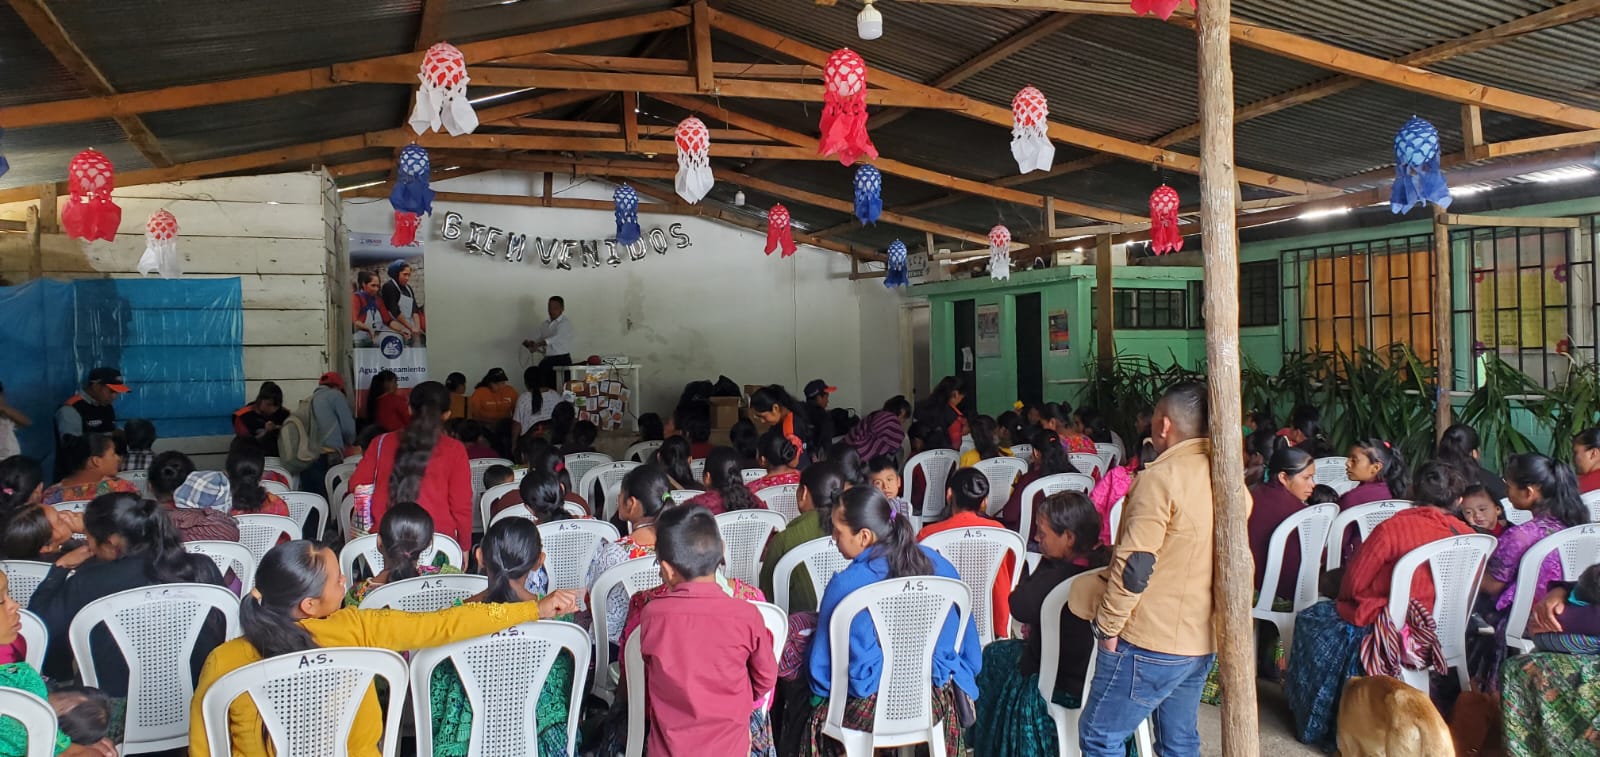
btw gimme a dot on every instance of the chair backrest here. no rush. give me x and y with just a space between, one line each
23 577
139 478
71 505
698 468
1111 452
503 674
1001 472
38 721
744 538
302 504
777 624
684 495
1592 501
783 499
821 559
228 555
608 477
1045 486
156 628
936 465
1310 526
37 637
337 480
1330 470
1457 565
366 547
1115 516
1089 465
274 486
641 452
1023 452
569 549
967 444
260 533
308 700
1576 548
490 496
1342 486
752 474
632 576
274 471
906 614
574 509
1050 632
1514 516
514 511
424 593
977 554
1365 517
580 463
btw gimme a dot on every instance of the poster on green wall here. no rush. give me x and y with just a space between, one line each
1060 335
988 330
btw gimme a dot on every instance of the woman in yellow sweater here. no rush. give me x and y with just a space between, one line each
296 606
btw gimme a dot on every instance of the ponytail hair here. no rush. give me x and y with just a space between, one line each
673 457
168 471
245 464
777 449
405 532
429 402
287 574
147 533
1455 448
865 508
824 483
541 492
1558 487
984 440
1289 461
19 476
1395 474
1052 456
968 489
510 551
648 484
727 479
850 462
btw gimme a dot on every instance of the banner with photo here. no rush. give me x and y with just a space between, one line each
388 321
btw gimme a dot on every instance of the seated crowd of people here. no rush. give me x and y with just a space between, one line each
1141 588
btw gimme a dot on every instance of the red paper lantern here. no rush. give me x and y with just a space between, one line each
1030 131
844 108
442 96
779 235
1000 253
161 246
1164 236
694 180
90 214
1160 8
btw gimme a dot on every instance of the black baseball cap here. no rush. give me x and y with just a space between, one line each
818 387
109 376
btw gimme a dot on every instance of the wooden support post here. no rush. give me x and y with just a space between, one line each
49 218
549 187
630 121
700 33
1104 325
1233 572
1443 321
1472 133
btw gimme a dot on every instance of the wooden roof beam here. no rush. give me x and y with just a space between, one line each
50 33
637 65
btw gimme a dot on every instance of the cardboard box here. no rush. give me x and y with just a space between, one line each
724 412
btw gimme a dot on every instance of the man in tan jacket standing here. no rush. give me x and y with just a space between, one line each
1154 621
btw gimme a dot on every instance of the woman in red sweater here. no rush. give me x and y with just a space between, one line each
423 465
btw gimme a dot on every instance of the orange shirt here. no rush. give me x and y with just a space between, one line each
492 404
1000 593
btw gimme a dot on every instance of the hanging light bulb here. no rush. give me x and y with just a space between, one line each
738 198
869 23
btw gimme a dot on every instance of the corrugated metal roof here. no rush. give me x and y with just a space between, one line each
31 72
218 130
1555 63
41 154
1385 28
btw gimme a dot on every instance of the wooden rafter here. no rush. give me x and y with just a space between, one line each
430 29
48 30
639 65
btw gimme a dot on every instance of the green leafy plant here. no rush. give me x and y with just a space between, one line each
1570 407
1490 409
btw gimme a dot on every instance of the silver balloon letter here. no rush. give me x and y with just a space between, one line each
636 250
591 252
545 249
489 240
677 234
564 254
515 245
658 241
611 253
475 237
452 226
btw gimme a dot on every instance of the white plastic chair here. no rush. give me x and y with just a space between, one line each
1342 487
37 717
490 496
752 474
1457 565
580 463
1111 452
967 445
514 511
1067 720
641 451
1310 526
275 468
1576 548
302 504
347 514
977 554
744 539
1115 516
936 466
1089 465
698 468
228 555
608 477
821 559
353 459
155 628
478 467
71 506
1592 501
337 480
139 478
424 593
23 578
1044 487
308 700
1023 452
367 547
37 637
632 577
1002 473
1365 517
783 499
1330 470
684 495
633 667
570 547
503 674
274 486
260 533
1514 516
907 616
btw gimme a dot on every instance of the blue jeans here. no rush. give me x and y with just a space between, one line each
1132 684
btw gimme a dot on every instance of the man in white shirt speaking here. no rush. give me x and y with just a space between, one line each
555 337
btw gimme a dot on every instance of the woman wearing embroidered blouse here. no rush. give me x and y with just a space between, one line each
16 673
645 493
296 607
880 545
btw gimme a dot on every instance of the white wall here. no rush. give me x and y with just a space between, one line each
718 307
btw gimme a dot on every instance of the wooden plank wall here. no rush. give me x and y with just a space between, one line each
278 233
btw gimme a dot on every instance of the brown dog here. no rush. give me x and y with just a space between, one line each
1381 716
1477 726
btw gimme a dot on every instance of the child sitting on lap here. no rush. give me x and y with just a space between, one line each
1580 622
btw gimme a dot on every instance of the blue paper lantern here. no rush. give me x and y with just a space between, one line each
626 202
1417 178
869 185
411 193
4 166
896 276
